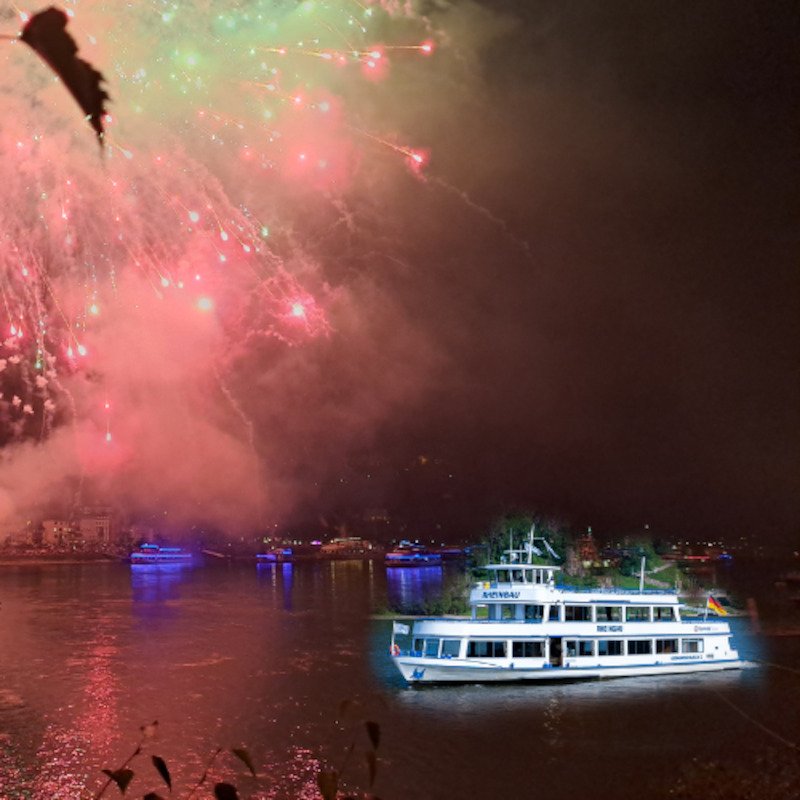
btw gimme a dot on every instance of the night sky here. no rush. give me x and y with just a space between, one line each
617 334
260 310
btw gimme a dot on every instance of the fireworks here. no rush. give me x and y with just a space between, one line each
132 279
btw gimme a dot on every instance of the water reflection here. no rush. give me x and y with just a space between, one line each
408 588
287 576
88 654
280 578
157 583
547 697
156 589
95 729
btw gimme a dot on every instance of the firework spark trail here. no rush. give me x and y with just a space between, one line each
126 280
485 213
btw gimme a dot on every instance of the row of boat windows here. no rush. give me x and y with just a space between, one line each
575 613
522 576
480 648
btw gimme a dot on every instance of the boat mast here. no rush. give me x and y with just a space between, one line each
641 577
530 543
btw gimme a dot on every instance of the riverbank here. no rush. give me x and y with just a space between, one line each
43 559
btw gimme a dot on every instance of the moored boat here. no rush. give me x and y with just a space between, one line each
277 554
451 553
412 555
523 627
156 554
289 552
347 547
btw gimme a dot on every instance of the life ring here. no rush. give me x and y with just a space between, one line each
395 649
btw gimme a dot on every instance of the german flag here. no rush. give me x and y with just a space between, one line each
713 605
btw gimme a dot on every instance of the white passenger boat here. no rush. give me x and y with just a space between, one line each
525 628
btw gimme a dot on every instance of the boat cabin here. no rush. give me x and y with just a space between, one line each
523 573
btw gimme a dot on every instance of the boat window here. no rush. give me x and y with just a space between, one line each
663 613
418 645
639 647
481 611
577 613
507 611
555 614
502 576
637 614
580 647
527 649
609 647
666 645
451 648
432 648
609 613
480 649
534 612
691 645
516 576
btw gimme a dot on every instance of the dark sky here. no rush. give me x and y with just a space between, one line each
613 319
586 305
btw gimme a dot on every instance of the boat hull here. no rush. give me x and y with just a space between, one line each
137 559
427 560
418 670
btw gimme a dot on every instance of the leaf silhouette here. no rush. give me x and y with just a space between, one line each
161 766
244 757
225 791
328 783
46 33
372 764
374 733
149 731
122 777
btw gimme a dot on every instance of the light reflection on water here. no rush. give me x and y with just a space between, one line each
510 699
407 587
153 583
223 654
262 656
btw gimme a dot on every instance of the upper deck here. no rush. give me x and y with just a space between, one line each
514 590
518 580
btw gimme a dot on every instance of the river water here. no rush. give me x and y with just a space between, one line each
288 661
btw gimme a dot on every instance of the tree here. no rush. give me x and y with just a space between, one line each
516 527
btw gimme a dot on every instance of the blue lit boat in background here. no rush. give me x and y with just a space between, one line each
412 555
156 554
278 554
289 552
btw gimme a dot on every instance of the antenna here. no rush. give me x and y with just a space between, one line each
530 543
641 577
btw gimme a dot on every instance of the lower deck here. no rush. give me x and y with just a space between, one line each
426 670
476 658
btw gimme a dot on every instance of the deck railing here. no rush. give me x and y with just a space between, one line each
577 589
